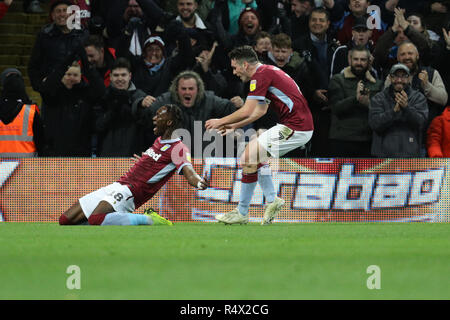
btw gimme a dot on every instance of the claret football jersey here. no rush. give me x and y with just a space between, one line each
156 166
272 83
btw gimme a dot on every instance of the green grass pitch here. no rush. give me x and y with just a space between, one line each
212 261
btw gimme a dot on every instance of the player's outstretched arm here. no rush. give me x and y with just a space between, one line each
254 110
241 114
194 179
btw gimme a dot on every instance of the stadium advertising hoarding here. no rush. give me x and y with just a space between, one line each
315 190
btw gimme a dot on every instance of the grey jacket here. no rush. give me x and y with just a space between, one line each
208 107
397 134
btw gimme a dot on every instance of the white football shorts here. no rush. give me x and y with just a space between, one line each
116 194
281 139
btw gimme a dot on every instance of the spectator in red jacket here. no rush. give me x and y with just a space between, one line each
4 6
438 136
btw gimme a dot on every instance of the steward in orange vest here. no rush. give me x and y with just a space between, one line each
20 121
17 137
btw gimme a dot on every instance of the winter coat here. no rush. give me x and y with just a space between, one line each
50 50
118 125
438 136
397 134
68 114
350 118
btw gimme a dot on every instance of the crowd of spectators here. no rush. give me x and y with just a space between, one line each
374 73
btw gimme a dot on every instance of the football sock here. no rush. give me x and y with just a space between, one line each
266 183
248 184
96 219
126 219
64 221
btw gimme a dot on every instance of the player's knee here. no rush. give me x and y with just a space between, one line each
64 221
96 219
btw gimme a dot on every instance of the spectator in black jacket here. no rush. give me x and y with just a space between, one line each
317 48
101 57
67 108
53 44
120 129
301 9
138 19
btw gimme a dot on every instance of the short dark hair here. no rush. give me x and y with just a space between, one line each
244 53
320 10
176 115
262 35
96 41
360 48
121 63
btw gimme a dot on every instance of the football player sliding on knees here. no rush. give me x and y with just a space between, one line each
114 204
295 128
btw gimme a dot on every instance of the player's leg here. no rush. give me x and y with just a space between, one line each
250 159
114 205
73 216
278 141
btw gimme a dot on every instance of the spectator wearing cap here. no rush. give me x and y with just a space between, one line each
358 9
361 36
53 44
154 69
4 6
20 121
425 79
397 116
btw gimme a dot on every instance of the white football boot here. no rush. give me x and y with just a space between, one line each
272 210
232 217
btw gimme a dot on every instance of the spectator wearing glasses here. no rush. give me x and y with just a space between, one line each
397 116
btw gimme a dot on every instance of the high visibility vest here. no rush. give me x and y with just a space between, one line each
16 138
